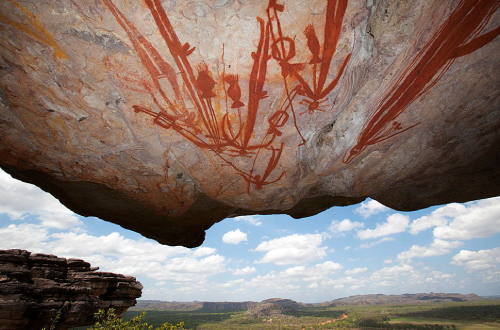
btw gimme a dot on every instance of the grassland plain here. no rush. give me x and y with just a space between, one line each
468 315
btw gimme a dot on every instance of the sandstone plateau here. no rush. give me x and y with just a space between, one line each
35 288
168 116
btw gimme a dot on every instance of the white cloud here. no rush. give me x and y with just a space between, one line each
372 244
356 271
396 223
437 248
344 225
115 253
370 208
23 236
234 237
316 273
293 249
291 280
478 261
204 251
347 282
251 219
245 271
392 273
19 200
437 218
232 283
481 219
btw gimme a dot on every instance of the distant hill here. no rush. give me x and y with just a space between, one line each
274 306
413 298
278 305
207 306
166 305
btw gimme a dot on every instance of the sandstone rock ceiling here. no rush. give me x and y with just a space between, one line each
166 117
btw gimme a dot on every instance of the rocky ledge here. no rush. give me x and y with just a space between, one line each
37 288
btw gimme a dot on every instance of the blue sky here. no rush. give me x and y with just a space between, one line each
360 249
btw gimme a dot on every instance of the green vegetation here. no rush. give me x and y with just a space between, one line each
484 313
191 319
107 320
477 315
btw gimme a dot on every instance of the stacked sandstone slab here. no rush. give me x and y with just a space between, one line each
36 288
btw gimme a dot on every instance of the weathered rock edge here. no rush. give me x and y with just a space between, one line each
35 288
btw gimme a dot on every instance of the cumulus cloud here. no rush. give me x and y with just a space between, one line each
388 274
232 283
480 260
370 208
115 253
377 242
19 200
396 223
234 237
437 218
315 273
251 219
437 248
356 271
23 236
345 225
481 219
293 279
245 271
293 249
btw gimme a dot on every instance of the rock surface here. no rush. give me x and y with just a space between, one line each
166 117
274 306
35 288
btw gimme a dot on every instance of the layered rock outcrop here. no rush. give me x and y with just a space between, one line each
274 306
166 117
35 289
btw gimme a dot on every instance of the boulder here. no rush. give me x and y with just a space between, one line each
166 117
40 290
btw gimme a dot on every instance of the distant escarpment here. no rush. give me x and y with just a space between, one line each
276 306
37 289
371 299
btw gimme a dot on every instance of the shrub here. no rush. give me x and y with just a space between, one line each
108 320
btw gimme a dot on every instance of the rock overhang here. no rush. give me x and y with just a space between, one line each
164 119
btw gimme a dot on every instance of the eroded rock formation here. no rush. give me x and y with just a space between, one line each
36 288
166 117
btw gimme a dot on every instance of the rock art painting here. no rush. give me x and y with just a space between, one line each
459 35
218 120
230 133
168 116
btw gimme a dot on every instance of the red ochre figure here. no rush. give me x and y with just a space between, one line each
233 134
205 83
312 44
234 91
457 36
196 111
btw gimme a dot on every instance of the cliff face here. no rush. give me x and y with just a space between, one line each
35 288
166 117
